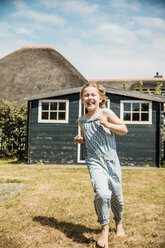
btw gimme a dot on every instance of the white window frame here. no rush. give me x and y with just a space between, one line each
136 101
53 121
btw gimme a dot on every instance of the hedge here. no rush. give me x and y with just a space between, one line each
12 129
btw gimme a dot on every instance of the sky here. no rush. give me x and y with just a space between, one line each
103 39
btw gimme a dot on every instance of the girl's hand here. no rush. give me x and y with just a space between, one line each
103 121
112 122
79 139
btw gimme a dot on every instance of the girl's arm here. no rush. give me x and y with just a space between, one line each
111 120
80 138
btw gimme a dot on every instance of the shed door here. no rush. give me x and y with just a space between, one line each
81 148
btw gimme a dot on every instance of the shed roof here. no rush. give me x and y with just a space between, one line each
108 90
33 70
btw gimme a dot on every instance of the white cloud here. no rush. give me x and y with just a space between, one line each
156 9
79 7
20 4
150 22
26 32
126 4
5 30
24 11
102 46
104 61
115 33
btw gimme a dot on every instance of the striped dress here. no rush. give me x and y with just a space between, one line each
104 168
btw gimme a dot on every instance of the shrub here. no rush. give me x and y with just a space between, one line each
13 129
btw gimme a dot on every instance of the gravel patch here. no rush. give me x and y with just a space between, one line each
10 189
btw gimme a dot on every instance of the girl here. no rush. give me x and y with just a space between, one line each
97 128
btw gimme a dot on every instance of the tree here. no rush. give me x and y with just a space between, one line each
140 90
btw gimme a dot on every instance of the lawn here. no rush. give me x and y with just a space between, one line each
55 208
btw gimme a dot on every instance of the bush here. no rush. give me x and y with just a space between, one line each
13 129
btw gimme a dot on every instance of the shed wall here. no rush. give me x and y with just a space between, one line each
53 142
140 146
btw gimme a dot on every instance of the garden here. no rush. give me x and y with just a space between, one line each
49 206
52 206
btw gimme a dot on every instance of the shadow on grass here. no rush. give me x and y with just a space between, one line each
72 231
19 161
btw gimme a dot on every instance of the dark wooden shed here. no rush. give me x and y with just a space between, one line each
52 125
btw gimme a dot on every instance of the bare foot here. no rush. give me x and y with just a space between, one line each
119 230
103 239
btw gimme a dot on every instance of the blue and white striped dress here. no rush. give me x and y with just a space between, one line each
104 168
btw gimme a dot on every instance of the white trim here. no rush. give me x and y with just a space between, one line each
79 132
53 121
136 101
108 103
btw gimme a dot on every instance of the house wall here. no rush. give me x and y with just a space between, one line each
53 142
140 146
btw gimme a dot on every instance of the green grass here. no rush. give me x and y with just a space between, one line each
56 209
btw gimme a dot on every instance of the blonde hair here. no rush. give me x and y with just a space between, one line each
101 90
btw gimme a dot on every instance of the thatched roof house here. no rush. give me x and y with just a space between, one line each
133 84
36 70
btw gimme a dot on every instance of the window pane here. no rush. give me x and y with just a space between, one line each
127 116
45 106
62 105
144 117
53 116
53 106
44 115
127 106
145 107
61 116
136 106
135 116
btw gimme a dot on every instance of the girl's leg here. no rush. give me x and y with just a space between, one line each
117 209
103 239
103 195
102 198
115 184
119 229
117 204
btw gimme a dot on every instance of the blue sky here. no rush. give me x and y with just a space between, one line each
102 38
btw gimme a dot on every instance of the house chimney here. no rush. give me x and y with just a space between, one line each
157 75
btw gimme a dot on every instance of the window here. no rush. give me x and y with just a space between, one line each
136 112
53 111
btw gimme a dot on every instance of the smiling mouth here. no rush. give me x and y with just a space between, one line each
91 103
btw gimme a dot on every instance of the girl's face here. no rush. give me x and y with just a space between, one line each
91 98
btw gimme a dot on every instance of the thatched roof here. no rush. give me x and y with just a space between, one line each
36 70
132 84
